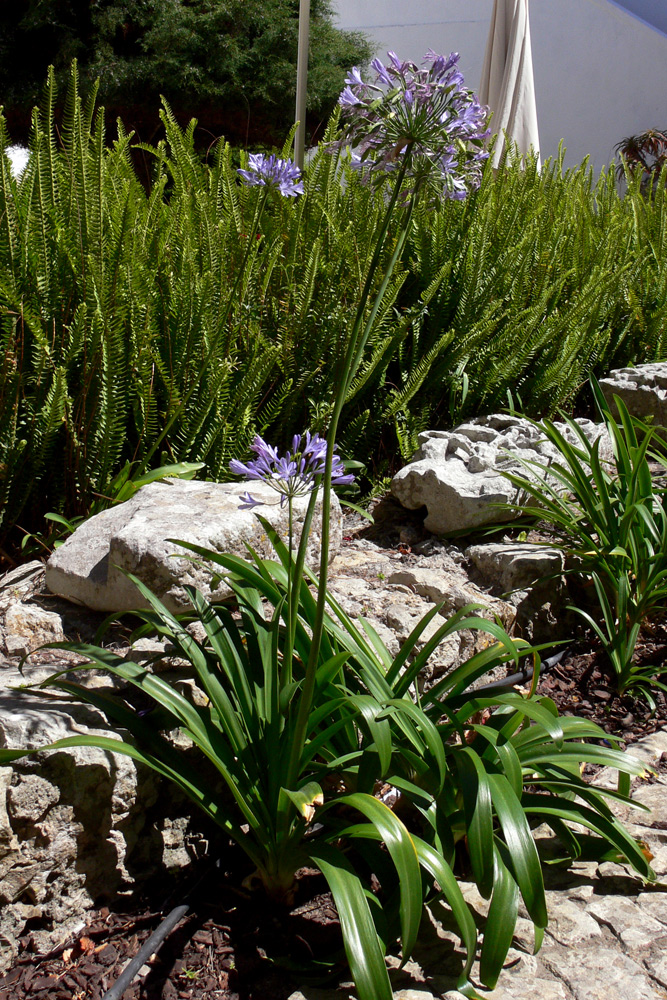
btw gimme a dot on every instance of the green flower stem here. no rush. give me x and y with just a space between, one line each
357 342
259 211
286 671
294 585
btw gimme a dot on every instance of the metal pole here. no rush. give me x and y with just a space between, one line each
302 82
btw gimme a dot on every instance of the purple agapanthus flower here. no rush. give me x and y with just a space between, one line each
272 172
423 112
292 474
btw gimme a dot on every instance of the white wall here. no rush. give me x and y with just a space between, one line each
412 27
600 71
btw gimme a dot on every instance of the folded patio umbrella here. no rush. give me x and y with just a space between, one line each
507 84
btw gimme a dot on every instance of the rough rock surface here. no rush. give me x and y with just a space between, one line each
393 591
77 826
457 474
516 565
66 820
606 936
643 390
132 536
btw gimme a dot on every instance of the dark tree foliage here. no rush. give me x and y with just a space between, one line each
230 63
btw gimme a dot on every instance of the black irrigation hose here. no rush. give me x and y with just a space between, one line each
150 946
147 949
507 683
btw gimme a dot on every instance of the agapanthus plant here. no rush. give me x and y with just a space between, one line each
425 114
295 473
273 173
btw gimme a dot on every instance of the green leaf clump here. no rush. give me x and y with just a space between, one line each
470 774
610 520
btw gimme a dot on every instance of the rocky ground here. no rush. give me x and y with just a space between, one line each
607 930
606 937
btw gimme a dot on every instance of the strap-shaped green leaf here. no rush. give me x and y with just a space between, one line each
503 752
306 799
362 945
477 807
521 849
500 923
530 707
435 864
428 732
611 831
401 847
378 727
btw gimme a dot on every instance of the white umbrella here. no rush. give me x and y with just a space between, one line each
507 84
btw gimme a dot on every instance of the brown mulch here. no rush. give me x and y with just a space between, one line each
582 684
230 946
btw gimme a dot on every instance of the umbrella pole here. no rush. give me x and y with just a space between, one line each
301 82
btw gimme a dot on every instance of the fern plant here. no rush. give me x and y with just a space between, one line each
120 340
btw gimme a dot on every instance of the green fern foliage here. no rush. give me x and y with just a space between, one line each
114 306
549 276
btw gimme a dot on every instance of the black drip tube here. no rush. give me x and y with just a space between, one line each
151 945
507 683
147 949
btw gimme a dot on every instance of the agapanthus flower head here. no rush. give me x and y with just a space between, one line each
292 474
425 113
278 175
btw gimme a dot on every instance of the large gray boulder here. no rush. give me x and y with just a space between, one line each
643 389
88 568
457 474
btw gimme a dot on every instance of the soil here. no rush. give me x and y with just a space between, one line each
582 684
229 946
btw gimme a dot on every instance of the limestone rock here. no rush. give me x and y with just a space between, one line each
132 536
515 565
395 604
76 825
456 592
603 973
530 577
313 993
569 923
457 474
643 389
413 995
19 584
28 626
531 989
634 927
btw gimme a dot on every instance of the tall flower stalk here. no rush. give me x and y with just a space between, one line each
423 132
422 127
